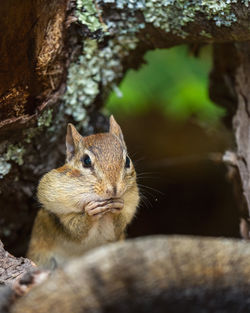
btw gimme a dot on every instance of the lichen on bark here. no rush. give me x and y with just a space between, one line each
96 68
15 152
114 32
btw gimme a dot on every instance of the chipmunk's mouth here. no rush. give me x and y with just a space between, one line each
96 207
116 203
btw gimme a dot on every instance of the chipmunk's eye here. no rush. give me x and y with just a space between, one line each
86 161
127 162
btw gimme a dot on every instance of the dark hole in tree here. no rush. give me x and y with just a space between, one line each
163 122
193 195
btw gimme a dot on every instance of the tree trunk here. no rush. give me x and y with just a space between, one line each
60 60
32 79
231 76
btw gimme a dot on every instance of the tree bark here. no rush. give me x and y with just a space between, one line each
11 268
17 277
32 78
231 75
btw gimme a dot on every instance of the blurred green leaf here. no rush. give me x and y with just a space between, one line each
171 81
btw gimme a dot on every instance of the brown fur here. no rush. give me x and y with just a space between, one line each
69 171
154 274
84 207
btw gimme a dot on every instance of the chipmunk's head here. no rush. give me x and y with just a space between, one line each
97 168
102 159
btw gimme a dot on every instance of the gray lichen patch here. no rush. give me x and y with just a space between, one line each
95 67
87 14
82 84
4 167
98 68
173 15
205 34
126 20
245 2
84 75
13 153
45 119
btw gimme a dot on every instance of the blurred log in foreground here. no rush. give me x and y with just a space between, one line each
154 274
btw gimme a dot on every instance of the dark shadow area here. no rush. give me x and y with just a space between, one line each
186 188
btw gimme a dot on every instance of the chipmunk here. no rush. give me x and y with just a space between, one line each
87 202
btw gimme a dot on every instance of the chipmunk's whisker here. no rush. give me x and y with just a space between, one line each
151 188
144 199
146 175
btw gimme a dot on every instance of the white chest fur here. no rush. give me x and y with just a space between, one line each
101 232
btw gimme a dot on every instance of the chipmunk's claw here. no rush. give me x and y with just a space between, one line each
98 208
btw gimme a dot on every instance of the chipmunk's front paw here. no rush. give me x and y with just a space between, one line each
95 208
116 206
98 208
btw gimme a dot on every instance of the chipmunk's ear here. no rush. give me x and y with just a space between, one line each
72 140
115 129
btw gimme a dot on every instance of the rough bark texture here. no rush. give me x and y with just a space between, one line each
161 274
231 75
241 120
32 77
11 268
31 43
17 277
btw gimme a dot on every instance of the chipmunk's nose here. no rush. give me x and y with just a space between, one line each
111 191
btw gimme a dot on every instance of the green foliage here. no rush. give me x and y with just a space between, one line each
172 81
